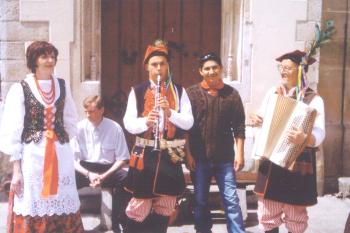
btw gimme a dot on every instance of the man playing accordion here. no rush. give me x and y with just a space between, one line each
285 193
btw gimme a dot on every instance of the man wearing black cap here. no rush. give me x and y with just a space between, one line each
284 194
156 108
219 122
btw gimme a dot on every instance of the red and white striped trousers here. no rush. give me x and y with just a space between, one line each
138 209
272 214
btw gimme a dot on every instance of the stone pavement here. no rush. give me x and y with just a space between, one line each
328 216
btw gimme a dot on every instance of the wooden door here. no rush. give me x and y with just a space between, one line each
191 27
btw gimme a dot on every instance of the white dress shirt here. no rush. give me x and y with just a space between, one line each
102 144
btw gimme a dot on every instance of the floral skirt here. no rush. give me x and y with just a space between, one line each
66 223
70 223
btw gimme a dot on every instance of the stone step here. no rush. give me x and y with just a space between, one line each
344 187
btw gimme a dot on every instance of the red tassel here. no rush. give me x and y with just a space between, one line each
140 166
132 162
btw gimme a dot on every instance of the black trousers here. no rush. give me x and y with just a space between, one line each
115 181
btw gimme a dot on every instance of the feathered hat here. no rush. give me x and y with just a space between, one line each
304 59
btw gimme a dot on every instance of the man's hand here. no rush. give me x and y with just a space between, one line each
103 176
164 104
256 120
190 162
238 163
152 118
296 136
94 179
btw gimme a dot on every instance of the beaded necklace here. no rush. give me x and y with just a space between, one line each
47 97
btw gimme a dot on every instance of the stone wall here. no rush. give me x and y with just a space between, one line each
279 27
14 35
334 87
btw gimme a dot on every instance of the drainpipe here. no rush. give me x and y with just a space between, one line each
345 55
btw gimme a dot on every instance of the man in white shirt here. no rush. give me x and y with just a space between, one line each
101 154
158 112
285 193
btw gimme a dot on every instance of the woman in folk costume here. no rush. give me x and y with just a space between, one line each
38 120
285 193
155 177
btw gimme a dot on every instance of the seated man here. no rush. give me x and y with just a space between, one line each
101 155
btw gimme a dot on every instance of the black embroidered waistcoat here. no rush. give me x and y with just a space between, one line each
34 124
160 176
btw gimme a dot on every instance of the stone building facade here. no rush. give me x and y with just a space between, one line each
253 34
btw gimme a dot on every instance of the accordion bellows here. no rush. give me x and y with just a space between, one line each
283 113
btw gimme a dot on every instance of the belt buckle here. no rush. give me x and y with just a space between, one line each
163 144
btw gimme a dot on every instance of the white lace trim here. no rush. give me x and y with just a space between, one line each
31 203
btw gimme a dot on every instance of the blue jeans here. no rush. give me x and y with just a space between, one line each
226 181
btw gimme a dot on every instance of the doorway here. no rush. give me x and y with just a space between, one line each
191 27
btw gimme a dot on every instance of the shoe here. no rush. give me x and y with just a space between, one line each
274 230
116 229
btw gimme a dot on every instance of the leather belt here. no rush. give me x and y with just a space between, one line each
142 142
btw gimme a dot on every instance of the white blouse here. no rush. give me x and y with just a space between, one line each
32 155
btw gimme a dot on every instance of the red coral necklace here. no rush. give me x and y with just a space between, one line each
47 97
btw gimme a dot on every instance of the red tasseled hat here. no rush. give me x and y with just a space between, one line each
158 48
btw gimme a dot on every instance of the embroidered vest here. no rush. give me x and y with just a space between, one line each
140 91
34 116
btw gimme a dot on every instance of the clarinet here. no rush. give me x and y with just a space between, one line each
156 127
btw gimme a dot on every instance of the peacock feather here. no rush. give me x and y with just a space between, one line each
322 36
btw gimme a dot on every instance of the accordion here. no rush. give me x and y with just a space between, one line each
282 114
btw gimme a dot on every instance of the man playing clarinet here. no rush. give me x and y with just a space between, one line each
155 177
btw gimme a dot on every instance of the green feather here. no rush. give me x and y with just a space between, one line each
322 36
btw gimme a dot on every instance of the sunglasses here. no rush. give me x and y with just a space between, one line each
209 56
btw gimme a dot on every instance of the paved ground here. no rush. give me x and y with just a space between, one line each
328 216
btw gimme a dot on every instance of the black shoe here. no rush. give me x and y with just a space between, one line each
158 223
116 228
274 230
134 226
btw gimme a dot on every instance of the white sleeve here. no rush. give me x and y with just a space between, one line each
74 144
121 148
12 123
133 123
262 109
70 114
184 118
318 131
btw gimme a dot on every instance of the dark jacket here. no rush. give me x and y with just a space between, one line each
217 119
